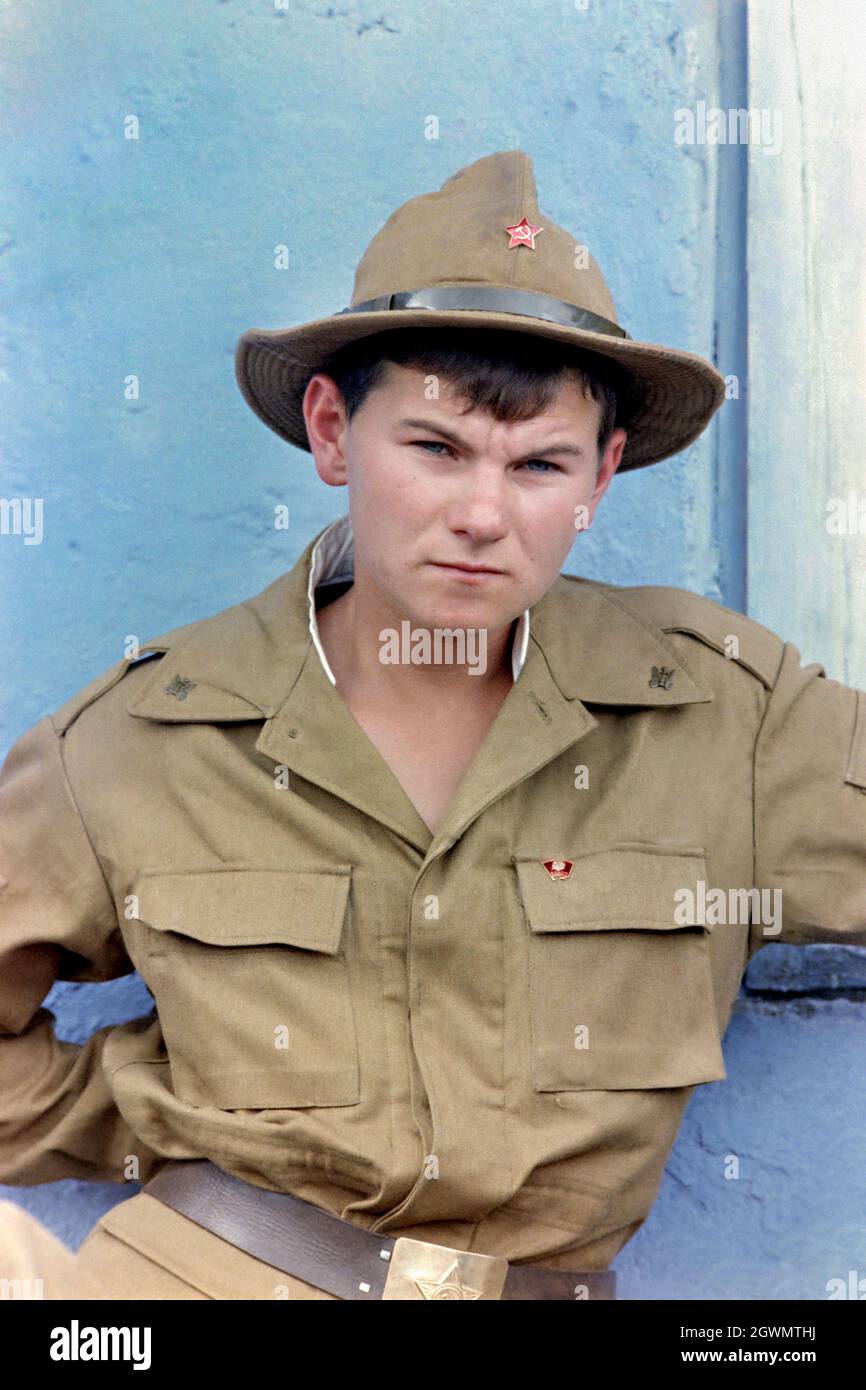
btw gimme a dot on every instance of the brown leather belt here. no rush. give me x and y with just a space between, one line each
350 1261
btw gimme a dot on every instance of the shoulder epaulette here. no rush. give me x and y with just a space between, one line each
62 717
735 636
728 632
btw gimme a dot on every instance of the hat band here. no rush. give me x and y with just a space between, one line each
526 303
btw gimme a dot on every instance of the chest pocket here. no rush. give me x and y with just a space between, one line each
249 972
620 990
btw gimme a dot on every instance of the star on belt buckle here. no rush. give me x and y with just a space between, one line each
418 1269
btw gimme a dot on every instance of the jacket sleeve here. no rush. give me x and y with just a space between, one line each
58 1118
810 809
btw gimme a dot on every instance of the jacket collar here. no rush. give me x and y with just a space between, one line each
243 663
257 661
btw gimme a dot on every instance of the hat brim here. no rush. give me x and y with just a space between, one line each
679 392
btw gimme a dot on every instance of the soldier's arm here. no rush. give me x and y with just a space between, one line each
58 1118
810 806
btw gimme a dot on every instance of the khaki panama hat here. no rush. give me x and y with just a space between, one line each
478 253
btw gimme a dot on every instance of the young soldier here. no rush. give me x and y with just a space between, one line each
442 867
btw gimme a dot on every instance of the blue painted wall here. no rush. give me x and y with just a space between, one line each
305 126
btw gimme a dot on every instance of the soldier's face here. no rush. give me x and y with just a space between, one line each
431 486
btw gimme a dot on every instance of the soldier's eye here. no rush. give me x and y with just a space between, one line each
430 444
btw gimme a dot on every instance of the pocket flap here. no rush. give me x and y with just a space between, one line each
619 887
232 906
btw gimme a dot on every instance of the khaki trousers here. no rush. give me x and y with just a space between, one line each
140 1249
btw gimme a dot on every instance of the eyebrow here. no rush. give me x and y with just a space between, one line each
433 428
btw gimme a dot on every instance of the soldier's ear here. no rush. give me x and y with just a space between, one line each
609 462
326 421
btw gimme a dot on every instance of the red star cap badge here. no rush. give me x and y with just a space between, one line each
523 234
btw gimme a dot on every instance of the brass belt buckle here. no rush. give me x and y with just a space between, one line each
418 1269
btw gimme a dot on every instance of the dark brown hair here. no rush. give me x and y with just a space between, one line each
513 376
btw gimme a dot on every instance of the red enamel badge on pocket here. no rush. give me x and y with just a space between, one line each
558 868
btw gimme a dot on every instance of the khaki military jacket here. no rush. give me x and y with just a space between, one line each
483 1037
